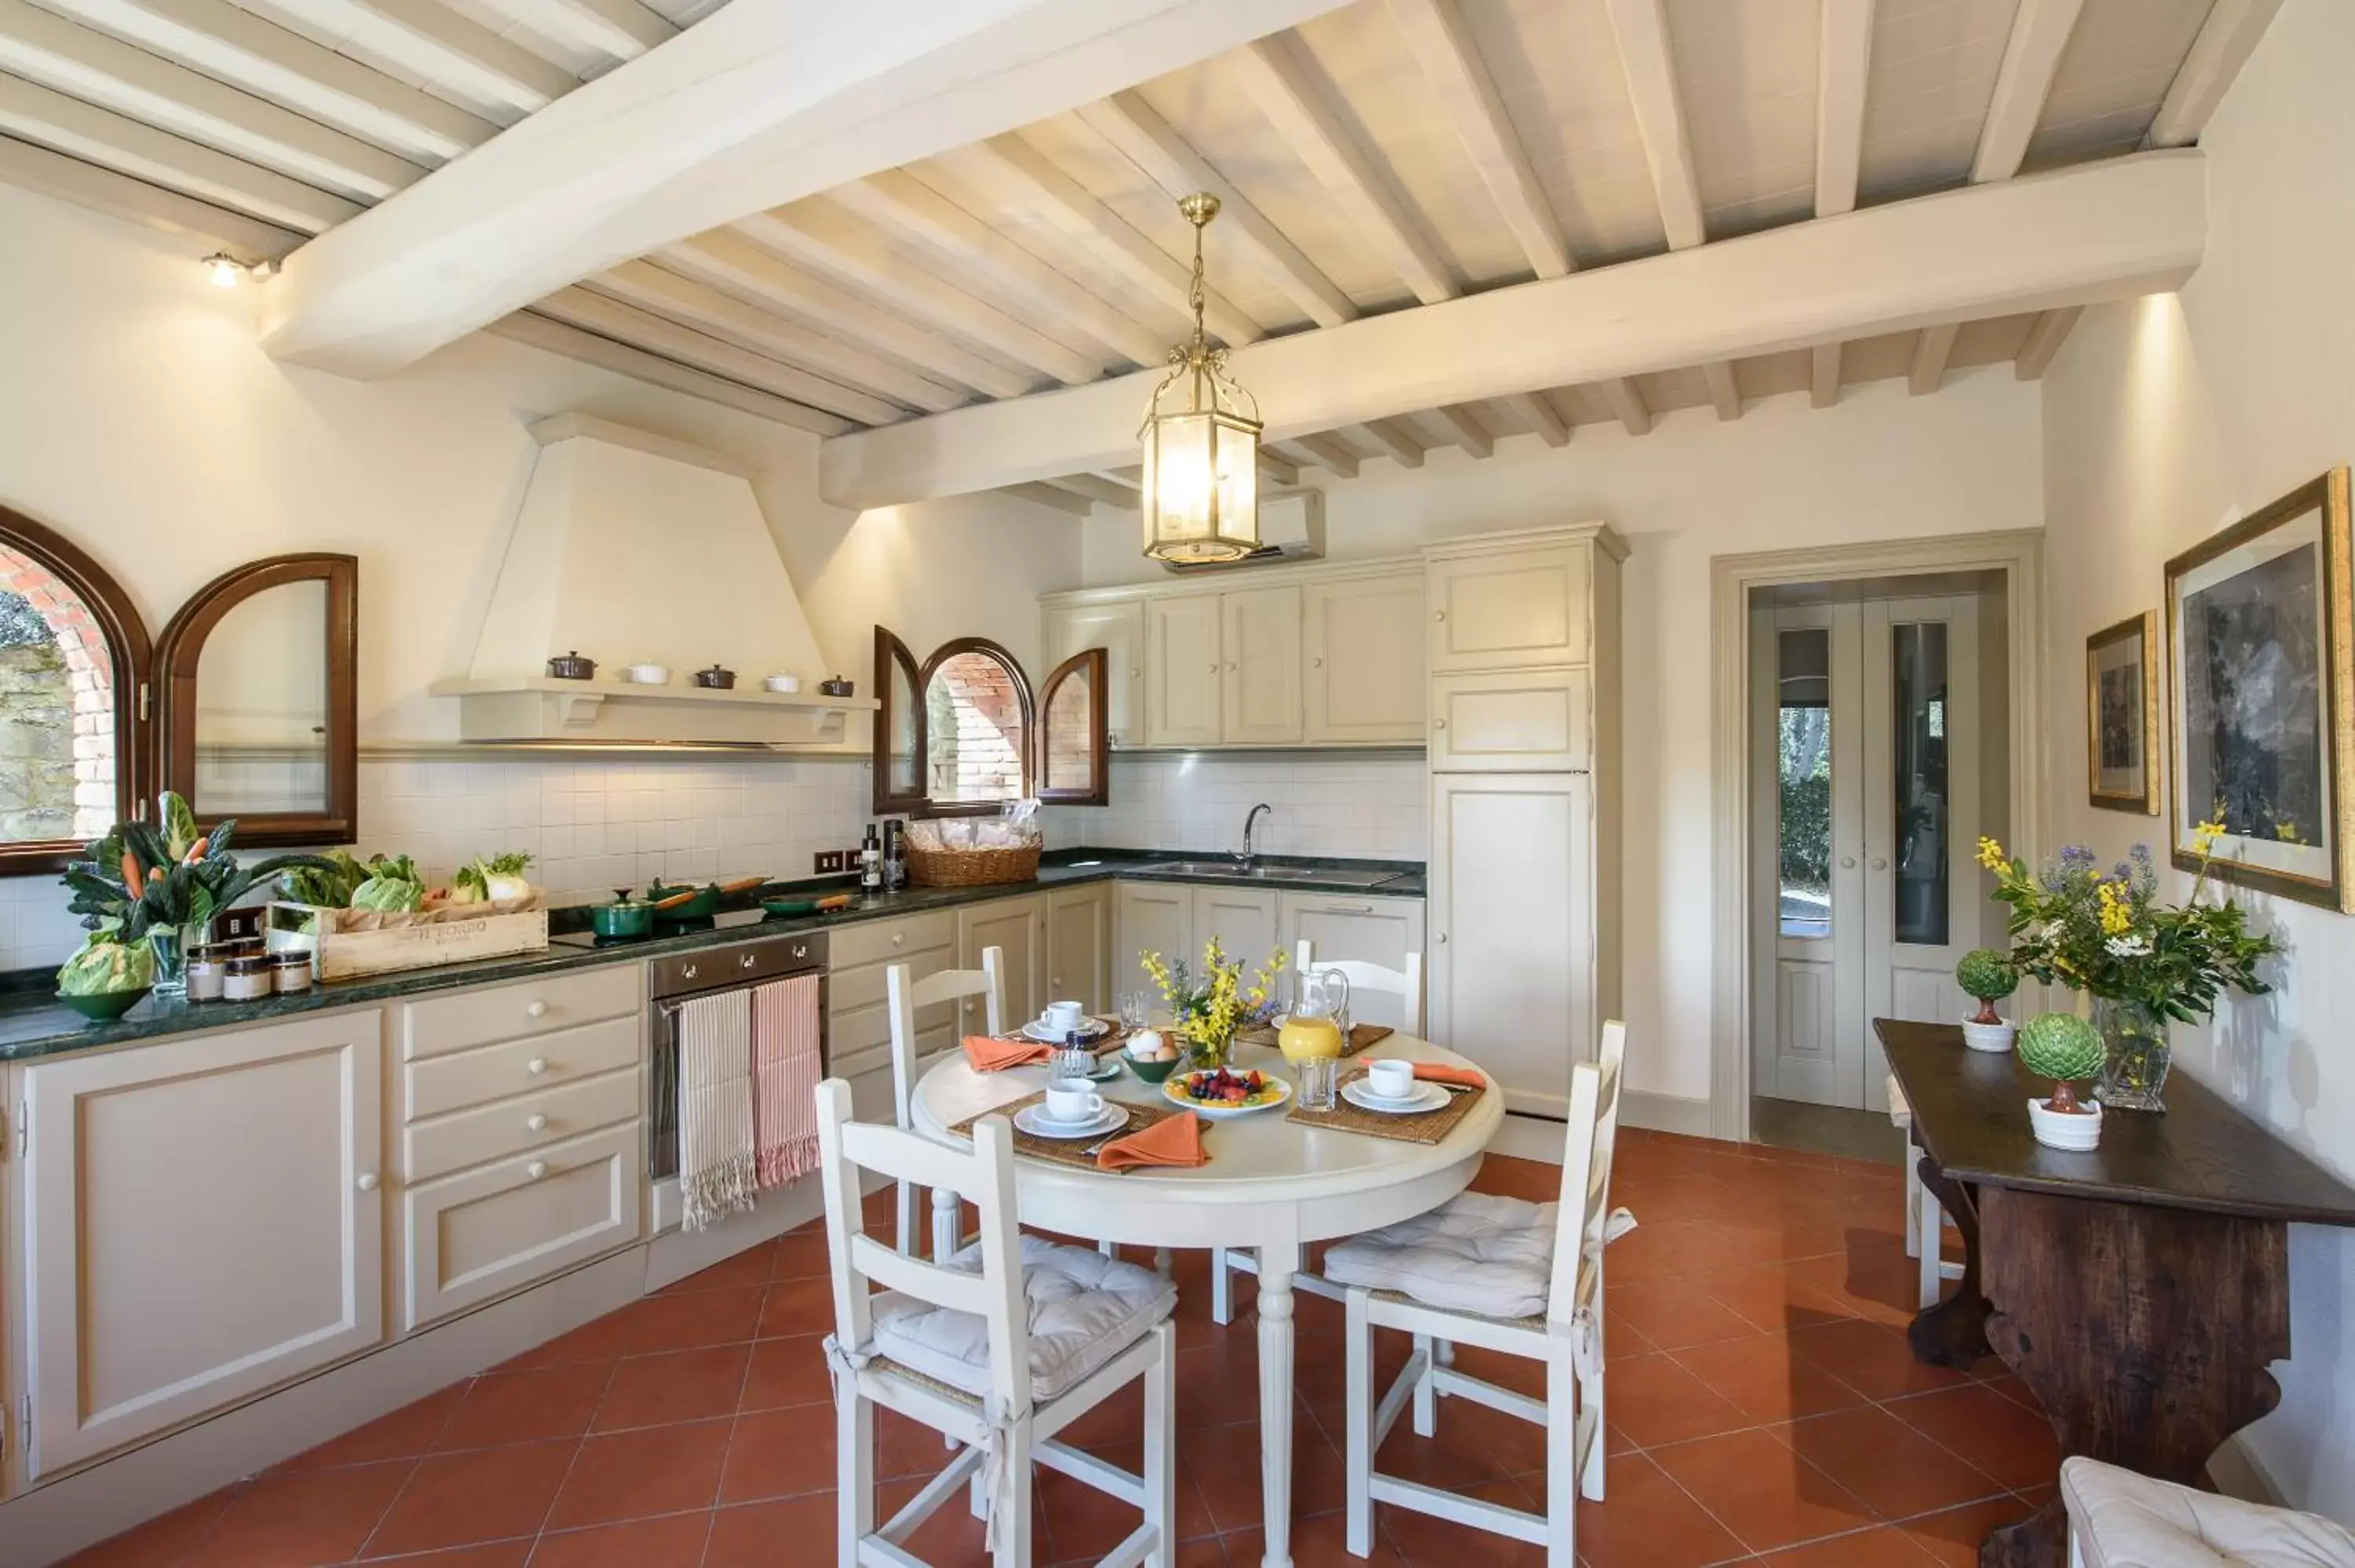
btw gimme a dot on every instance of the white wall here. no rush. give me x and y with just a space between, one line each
1881 465
2164 420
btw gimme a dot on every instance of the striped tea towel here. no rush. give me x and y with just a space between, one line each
714 1107
784 1078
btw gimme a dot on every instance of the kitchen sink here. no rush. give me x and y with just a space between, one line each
1348 878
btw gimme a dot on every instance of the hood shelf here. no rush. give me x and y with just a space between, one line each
526 708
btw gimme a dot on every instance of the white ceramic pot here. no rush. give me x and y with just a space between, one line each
646 675
2058 1130
1989 1036
786 685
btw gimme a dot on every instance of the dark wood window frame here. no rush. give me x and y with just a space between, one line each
1093 662
894 657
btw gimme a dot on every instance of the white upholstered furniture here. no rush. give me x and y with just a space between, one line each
903 993
1925 1218
998 1350
1509 1276
2120 1520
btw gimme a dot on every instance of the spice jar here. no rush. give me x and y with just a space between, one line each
290 973
207 967
248 978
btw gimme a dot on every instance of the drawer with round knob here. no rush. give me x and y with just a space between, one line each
434 1026
892 940
441 1144
465 1079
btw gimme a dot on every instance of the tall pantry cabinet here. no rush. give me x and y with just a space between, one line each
1523 659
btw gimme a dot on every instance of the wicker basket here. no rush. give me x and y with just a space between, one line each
971 867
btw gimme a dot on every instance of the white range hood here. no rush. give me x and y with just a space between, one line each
632 547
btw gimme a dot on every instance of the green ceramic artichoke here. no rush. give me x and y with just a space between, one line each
2061 1046
1987 974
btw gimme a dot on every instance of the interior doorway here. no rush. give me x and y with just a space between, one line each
1880 754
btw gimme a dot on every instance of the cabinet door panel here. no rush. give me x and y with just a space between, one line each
1511 610
1182 682
500 1228
1364 642
1078 946
1153 917
1119 630
1512 722
1012 924
1259 639
1242 918
1365 930
197 1231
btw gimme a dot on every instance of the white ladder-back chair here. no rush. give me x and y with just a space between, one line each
998 1349
1510 1276
902 995
1925 1217
1365 980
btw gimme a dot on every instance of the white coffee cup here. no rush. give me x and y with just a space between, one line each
1063 1017
1072 1104
1391 1080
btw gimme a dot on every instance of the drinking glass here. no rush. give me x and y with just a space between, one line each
1133 1005
1074 1058
1315 1080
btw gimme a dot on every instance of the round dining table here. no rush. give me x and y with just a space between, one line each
1271 1184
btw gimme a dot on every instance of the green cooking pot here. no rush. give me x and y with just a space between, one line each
625 916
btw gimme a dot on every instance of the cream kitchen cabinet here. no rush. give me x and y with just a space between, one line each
1259 671
1080 944
1117 627
1149 917
1184 667
1362 650
1369 930
1243 919
1017 926
497 1227
201 1221
1513 721
1504 603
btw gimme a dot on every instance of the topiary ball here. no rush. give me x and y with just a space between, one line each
1987 974
2061 1046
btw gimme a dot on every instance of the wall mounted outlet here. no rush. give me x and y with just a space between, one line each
828 860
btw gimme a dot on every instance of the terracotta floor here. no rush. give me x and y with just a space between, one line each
1762 1405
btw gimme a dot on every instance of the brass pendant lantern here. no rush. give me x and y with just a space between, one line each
1200 441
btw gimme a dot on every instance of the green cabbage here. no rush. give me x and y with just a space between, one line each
105 965
389 895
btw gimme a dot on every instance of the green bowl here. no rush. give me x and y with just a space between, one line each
105 1006
1151 1072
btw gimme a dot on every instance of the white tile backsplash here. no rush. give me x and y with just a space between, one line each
1375 807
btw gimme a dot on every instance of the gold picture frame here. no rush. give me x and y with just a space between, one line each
2261 685
2122 722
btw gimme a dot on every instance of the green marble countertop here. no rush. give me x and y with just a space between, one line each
34 1024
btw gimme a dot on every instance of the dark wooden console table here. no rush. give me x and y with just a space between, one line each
2139 1290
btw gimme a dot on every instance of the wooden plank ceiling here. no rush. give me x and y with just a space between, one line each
1385 156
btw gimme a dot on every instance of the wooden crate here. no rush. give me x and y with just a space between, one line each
352 954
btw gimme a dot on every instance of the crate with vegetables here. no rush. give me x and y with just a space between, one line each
377 917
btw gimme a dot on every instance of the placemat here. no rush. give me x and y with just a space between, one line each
1113 1039
1361 1035
1068 1150
1428 1126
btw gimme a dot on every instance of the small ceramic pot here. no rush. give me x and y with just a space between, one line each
2059 1130
1989 1036
785 685
716 679
836 687
645 673
572 667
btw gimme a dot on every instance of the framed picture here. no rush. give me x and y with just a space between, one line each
2259 644
2122 716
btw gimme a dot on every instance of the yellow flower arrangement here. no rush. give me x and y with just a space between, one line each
1207 1011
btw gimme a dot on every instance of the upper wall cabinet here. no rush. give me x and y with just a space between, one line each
1183 691
1118 628
1362 639
1511 608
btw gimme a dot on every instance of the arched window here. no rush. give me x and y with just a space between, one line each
957 735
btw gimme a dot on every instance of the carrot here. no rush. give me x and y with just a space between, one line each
130 870
155 875
197 851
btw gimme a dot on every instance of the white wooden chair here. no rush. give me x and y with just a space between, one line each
1925 1217
1365 979
998 1350
1505 1274
902 995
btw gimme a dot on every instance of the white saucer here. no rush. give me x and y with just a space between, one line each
1032 1119
1037 1028
1426 1097
1106 1069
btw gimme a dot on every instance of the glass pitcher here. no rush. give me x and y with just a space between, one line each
1319 1021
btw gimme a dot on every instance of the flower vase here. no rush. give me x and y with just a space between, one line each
169 945
2138 1055
1207 1055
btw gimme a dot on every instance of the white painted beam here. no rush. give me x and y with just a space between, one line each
51 118
1047 493
1643 33
1544 421
622 29
1277 466
1462 430
1328 452
1724 389
1451 60
86 184
588 347
1094 487
1824 375
897 201
1392 440
2039 31
728 262
1843 62
1627 402
2113 229
2225 41
760 104
1129 123
506 68
1285 84
2045 337
817 235
1932 348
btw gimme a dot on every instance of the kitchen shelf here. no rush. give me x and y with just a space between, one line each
542 708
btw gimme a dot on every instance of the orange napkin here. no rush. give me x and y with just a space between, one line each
1174 1141
1440 1073
987 1054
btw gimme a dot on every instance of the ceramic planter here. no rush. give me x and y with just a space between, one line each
1989 1036
2059 1130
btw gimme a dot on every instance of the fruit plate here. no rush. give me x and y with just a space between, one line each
1269 1092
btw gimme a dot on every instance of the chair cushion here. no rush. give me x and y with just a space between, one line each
1083 1310
1475 1253
2126 1520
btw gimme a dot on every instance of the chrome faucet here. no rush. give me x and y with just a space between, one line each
1247 857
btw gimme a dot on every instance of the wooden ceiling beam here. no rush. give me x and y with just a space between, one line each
1096 488
1824 375
2040 32
553 336
1285 84
622 29
2045 337
1274 465
1391 441
1843 65
2112 230
1642 30
1051 494
1462 430
505 69
1544 421
1135 127
1627 402
1932 348
1451 60
1724 389
1328 452
2222 47
86 184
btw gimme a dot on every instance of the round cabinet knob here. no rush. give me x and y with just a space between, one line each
537 1010
1318 662
1879 864
534 1123
1848 863
1137 672
1439 724
1055 981
535 1067
746 961
688 973
1438 615
368 1181
1442 939
899 937
536 1169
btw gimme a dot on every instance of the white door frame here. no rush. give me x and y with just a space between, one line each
2019 555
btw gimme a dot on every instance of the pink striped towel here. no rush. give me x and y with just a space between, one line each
785 1079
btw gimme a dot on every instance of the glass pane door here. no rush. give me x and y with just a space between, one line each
1804 797
1919 870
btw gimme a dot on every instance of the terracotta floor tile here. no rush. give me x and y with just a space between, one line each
1882 1548
636 1475
1422 1537
679 1385
1952 1538
599 1339
1675 1313
1654 1399
781 1534
787 1372
1081 1523
2006 1440
694 1320
497 1554
1871 1358
1646 1520
404 1434
517 1406
1879 1282
295 1519
1897 1471
676 1542
485 1494
1323 1543
1762 1491
797 1306
1760 1377
779 1453
799 1256
750 1266
160 1540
